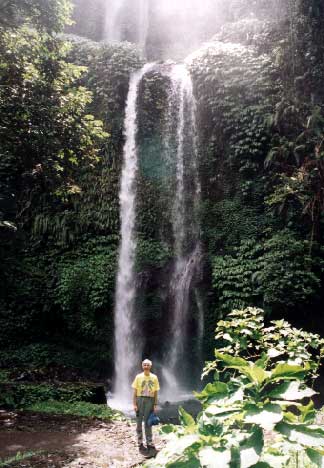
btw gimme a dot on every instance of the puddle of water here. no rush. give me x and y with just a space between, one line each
167 409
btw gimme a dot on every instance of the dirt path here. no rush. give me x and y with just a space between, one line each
68 441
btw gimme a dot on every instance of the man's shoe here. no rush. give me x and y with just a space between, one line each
151 447
141 447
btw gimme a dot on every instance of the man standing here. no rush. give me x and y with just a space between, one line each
146 387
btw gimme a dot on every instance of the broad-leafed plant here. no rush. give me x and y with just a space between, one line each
244 334
257 412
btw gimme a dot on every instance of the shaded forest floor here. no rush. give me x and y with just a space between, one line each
54 441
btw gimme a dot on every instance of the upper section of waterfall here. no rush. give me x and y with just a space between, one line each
171 29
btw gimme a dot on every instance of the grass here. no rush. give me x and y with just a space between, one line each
18 457
78 408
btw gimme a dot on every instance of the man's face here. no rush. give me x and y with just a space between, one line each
146 367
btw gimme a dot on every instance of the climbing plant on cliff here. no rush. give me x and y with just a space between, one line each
279 272
300 173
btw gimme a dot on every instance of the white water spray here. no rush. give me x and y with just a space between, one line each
116 17
127 349
143 24
112 23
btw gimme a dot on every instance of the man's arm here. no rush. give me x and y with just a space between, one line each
155 400
134 400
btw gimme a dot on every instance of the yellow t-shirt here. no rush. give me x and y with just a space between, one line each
146 385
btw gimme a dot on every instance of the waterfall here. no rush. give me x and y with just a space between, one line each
116 19
127 349
187 249
112 25
143 24
181 153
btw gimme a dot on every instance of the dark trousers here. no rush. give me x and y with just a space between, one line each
144 408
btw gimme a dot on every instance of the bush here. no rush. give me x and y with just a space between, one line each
42 357
254 411
18 395
79 408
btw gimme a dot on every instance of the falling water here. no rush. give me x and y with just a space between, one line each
143 24
187 249
127 352
116 18
112 24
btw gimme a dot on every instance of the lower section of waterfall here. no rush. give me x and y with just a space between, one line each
177 374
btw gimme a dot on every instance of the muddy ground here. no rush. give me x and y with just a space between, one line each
69 441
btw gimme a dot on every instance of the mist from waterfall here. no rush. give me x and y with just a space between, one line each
120 14
143 24
112 29
127 347
172 29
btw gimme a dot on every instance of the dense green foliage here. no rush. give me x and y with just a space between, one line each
260 111
249 397
44 14
22 395
278 272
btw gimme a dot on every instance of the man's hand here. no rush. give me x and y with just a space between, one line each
155 408
135 408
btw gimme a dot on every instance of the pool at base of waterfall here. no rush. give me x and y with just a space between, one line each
168 409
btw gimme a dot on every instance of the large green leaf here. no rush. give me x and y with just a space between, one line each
215 410
191 462
316 456
273 352
230 361
255 373
218 419
262 361
173 454
212 458
288 371
266 416
227 404
307 412
291 391
168 428
311 436
213 391
211 425
276 461
262 464
185 418
251 449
